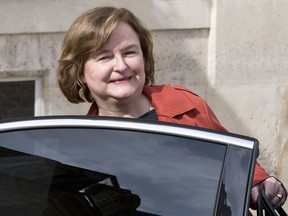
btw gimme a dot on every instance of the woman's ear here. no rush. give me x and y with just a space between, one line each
82 79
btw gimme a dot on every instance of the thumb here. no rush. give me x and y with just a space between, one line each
254 195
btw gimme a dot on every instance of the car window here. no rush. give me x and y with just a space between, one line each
171 175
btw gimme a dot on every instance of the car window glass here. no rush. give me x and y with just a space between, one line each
171 175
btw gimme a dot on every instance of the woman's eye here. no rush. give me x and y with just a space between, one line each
130 53
103 58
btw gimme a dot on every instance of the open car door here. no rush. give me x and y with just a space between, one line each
114 166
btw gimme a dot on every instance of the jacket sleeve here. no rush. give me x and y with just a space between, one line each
259 174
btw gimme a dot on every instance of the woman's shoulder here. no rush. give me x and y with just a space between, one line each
183 88
171 89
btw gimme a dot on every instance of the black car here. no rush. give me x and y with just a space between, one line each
72 165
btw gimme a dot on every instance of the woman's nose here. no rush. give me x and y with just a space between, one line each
120 64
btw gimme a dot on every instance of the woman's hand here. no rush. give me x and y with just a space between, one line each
274 190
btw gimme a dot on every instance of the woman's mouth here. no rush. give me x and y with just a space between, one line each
122 80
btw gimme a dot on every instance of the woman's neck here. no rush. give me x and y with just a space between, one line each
131 109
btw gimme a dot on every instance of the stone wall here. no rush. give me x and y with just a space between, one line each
233 53
251 75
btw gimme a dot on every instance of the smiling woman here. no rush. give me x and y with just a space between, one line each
88 38
116 73
107 59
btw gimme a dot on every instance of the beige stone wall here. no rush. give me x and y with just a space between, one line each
248 75
233 53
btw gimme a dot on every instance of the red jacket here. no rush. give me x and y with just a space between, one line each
177 104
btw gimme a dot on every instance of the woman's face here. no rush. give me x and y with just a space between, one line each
116 72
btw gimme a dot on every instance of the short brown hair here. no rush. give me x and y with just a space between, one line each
87 35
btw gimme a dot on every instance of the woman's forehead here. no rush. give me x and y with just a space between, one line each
122 36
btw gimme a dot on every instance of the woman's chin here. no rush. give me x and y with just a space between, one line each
125 93
125 90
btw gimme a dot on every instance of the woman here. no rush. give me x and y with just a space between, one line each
107 60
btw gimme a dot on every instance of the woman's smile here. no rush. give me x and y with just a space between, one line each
121 80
